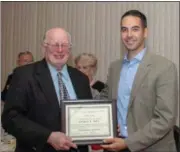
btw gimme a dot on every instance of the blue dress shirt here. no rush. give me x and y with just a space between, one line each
66 80
127 75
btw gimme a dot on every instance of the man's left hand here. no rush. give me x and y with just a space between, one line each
114 144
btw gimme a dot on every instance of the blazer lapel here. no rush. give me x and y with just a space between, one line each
140 75
44 79
116 78
75 83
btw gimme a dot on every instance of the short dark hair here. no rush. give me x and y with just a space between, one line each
24 53
136 13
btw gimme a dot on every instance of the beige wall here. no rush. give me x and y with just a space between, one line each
94 27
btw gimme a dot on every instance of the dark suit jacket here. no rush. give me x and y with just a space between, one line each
32 111
4 92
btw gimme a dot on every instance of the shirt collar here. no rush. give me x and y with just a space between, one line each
138 57
54 71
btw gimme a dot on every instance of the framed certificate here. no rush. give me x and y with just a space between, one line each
89 121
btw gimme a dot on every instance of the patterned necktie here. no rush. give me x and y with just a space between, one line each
62 88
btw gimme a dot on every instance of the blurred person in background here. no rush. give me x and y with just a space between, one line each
87 64
23 58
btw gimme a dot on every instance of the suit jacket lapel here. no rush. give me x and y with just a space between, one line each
75 83
44 79
116 78
140 75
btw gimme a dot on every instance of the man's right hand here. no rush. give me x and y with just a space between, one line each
60 141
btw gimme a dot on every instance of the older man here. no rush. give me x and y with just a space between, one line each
33 110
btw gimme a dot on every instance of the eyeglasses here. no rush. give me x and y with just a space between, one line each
62 46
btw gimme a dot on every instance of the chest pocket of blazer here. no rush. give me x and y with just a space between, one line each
143 104
146 95
42 111
37 93
38 101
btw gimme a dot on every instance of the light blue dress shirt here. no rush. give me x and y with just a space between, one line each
127 75
66 79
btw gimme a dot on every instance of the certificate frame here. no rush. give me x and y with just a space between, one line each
71 108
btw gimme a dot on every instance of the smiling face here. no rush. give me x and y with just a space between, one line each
133 33
57 47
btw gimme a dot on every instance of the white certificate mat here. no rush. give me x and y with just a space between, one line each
89 121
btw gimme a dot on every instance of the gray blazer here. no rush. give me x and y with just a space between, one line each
152 108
